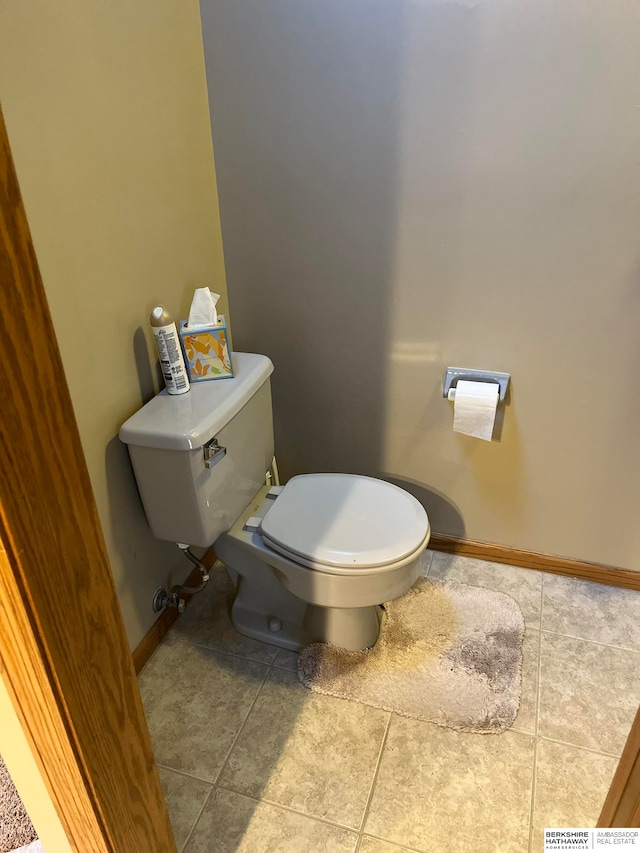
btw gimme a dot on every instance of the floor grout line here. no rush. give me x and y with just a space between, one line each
184 773
283 668
196 821
402 847
539 673
186 641
577 746
593 642
593 583
375 774
532 806
516 731
277 805
536 727
248 714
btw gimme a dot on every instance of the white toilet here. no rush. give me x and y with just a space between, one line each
312 560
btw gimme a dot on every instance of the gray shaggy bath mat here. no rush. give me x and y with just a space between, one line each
16 829
447 653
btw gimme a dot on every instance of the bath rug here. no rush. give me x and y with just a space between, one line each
16 829
447 653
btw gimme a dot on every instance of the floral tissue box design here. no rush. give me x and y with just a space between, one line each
206 351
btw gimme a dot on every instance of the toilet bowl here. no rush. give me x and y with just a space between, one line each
313 560
338 544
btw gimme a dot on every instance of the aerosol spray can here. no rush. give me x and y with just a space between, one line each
174 371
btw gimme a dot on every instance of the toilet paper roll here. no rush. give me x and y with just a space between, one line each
474 408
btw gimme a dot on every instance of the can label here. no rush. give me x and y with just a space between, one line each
171 360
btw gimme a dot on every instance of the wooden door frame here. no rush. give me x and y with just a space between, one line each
622 806
64 654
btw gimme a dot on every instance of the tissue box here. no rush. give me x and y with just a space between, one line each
206 351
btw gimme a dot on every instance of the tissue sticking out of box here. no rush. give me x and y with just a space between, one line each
202 313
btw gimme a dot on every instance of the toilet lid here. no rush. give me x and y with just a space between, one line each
345 520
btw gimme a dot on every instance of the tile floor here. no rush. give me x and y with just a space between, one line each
253 762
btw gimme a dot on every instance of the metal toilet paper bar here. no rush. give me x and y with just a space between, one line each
454 374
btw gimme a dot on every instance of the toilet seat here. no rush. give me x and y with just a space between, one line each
345 524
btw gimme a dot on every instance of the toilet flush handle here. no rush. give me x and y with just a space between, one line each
213 453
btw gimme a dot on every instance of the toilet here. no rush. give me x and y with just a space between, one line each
311 561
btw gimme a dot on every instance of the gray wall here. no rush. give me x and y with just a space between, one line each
410 185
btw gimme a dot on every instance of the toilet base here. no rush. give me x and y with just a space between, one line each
259 612
353 628
286 604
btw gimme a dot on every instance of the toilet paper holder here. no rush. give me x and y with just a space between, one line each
454 374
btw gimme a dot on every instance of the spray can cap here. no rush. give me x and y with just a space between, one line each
160 316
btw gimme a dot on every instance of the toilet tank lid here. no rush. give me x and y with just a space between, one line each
187 421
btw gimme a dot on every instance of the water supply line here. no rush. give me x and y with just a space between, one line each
162 599
273 473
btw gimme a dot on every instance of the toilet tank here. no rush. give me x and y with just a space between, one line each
187 497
